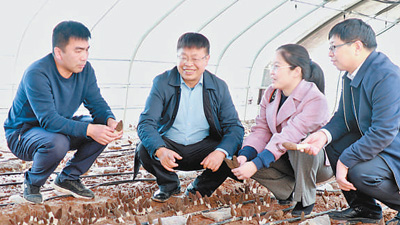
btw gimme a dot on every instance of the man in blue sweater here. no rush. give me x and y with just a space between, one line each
189 123
41 126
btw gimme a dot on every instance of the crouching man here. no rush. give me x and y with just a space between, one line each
189 123
41 126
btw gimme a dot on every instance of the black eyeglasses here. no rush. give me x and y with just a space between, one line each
333 48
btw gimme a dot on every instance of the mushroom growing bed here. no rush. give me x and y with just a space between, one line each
120 200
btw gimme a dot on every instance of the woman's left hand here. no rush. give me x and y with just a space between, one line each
241 159
245 171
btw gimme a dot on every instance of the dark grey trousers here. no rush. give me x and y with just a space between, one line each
295 172
373 179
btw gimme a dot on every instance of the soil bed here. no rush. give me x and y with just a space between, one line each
127 202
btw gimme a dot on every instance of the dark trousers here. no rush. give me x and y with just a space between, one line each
47 149
373 179
192 155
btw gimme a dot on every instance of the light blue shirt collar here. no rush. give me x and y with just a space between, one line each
200 81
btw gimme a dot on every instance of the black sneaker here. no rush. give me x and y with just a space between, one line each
73 187
31 193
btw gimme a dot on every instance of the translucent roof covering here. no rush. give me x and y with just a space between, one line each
133 41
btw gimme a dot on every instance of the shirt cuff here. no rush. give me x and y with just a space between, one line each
225 152
249 152
264 159
328 135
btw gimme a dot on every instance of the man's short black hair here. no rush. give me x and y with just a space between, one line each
353 30
193 40
69 29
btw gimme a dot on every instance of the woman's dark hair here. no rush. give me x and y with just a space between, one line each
355 29
190 40
66 30
297 56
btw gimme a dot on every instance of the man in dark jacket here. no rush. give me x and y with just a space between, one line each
363 136
189 123
41 126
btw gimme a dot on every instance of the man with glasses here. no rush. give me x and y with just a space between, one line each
363 139
189 123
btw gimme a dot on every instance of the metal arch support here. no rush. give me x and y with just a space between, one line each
389 27
349 9
216 16
150 30
104 15
341 12
243 32
393 24
316 29
24 33
144 36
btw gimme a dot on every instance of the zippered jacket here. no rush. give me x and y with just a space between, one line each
162 106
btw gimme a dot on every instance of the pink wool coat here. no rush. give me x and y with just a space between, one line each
304 111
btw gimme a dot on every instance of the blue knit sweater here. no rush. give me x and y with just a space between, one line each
44 98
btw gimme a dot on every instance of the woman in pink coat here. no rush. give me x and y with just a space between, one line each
292 107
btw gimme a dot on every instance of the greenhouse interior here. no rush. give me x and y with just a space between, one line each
133 41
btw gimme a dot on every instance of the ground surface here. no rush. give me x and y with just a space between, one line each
121 201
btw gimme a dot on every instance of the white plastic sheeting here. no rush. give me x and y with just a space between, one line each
133 41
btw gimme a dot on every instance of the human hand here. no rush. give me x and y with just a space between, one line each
213 161
102 134
112 123
341 177
315 141
245 171
116 126
241 159
168 158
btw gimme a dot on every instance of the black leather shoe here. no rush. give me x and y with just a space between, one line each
287 201
357 214
395 220
163 196
299 208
